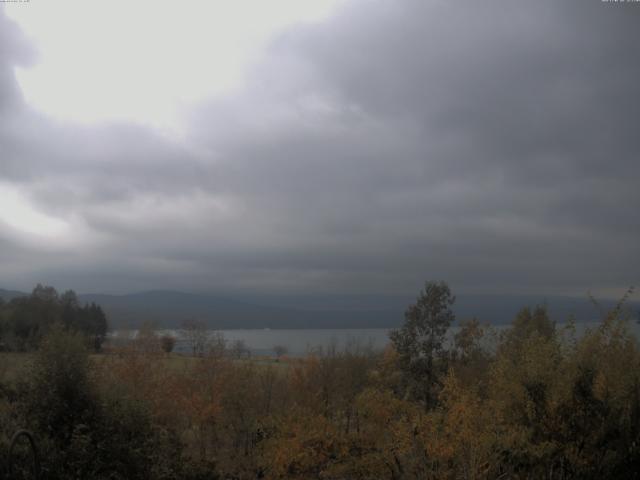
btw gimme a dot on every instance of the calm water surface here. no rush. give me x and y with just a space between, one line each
300 342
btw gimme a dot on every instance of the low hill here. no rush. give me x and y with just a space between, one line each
170 308
7 295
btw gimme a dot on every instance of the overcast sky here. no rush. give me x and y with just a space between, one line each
333 146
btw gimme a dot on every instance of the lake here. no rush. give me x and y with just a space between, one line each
299 342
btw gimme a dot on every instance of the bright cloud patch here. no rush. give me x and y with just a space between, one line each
145 60
18 213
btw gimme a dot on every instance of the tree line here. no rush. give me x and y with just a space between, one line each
536 400
26 320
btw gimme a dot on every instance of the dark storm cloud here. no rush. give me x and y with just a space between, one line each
493 144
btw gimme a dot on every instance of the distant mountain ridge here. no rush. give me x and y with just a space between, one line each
168 308
7 295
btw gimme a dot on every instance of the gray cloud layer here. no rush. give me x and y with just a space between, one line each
493 144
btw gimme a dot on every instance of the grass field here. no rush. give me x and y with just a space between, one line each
14 366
